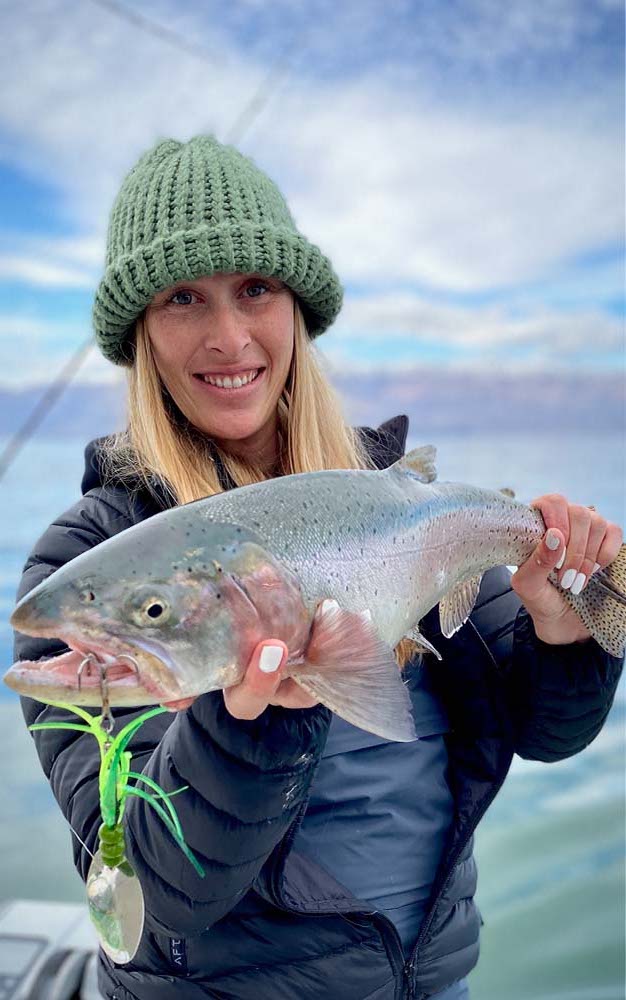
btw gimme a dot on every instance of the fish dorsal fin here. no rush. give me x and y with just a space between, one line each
349 668
416 636
456 607
420 462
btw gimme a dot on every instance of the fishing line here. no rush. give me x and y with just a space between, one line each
43 406
81 842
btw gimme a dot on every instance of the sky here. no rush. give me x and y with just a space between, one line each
461 162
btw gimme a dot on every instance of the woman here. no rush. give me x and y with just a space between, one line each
337 863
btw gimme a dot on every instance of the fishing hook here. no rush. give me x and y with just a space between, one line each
127 656
107 717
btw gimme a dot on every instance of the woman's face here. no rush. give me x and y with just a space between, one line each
226 325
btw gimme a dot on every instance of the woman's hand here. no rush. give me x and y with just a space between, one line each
578 541
260 686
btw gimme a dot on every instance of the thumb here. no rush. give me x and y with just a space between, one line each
252 695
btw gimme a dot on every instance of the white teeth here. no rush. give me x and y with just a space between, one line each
234 383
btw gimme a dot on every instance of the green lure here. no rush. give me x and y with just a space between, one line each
114 893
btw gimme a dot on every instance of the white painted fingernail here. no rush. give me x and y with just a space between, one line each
578 583
367 615
552 540
329 604
568 578
561 560
596 567
269 660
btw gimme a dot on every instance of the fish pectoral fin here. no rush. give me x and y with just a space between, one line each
349 668
420 463
416 636
456 607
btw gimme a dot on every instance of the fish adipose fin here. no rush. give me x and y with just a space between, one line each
602 605
349 668
456 607
420 463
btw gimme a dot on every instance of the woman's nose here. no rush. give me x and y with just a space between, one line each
226 332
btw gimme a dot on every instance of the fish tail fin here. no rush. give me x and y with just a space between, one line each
602 605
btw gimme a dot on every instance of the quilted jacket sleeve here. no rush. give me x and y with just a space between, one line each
247 780
558 696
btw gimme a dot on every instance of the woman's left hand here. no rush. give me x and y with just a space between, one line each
590 542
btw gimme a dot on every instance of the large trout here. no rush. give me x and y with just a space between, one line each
338 564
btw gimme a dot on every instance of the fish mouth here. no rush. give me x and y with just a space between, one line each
134 676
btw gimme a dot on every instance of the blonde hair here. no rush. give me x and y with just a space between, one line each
160 443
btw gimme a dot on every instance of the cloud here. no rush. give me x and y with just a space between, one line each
41 273
35 351
51 262
412 157
389 181
393 330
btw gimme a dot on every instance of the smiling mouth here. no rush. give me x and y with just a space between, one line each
230 382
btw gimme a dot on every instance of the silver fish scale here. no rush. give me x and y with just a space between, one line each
379 540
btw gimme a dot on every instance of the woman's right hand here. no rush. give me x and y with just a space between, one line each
260 686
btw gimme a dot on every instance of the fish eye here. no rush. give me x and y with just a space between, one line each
153 610
86 596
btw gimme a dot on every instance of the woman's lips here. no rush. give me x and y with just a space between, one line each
242 391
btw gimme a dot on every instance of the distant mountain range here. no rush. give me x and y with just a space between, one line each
434 401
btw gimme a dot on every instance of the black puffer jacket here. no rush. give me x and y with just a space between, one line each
267 922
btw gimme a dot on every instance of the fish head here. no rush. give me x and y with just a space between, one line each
166 607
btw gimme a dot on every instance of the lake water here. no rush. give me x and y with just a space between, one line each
550 850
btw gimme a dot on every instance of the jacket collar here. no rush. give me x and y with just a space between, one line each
385 444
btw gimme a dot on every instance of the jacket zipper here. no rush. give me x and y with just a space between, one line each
473 823
399 966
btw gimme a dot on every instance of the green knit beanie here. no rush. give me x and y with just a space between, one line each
197 208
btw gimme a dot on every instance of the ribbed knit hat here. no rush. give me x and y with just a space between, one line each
191 209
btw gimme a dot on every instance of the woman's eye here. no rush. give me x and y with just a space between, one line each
178 294
256 286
